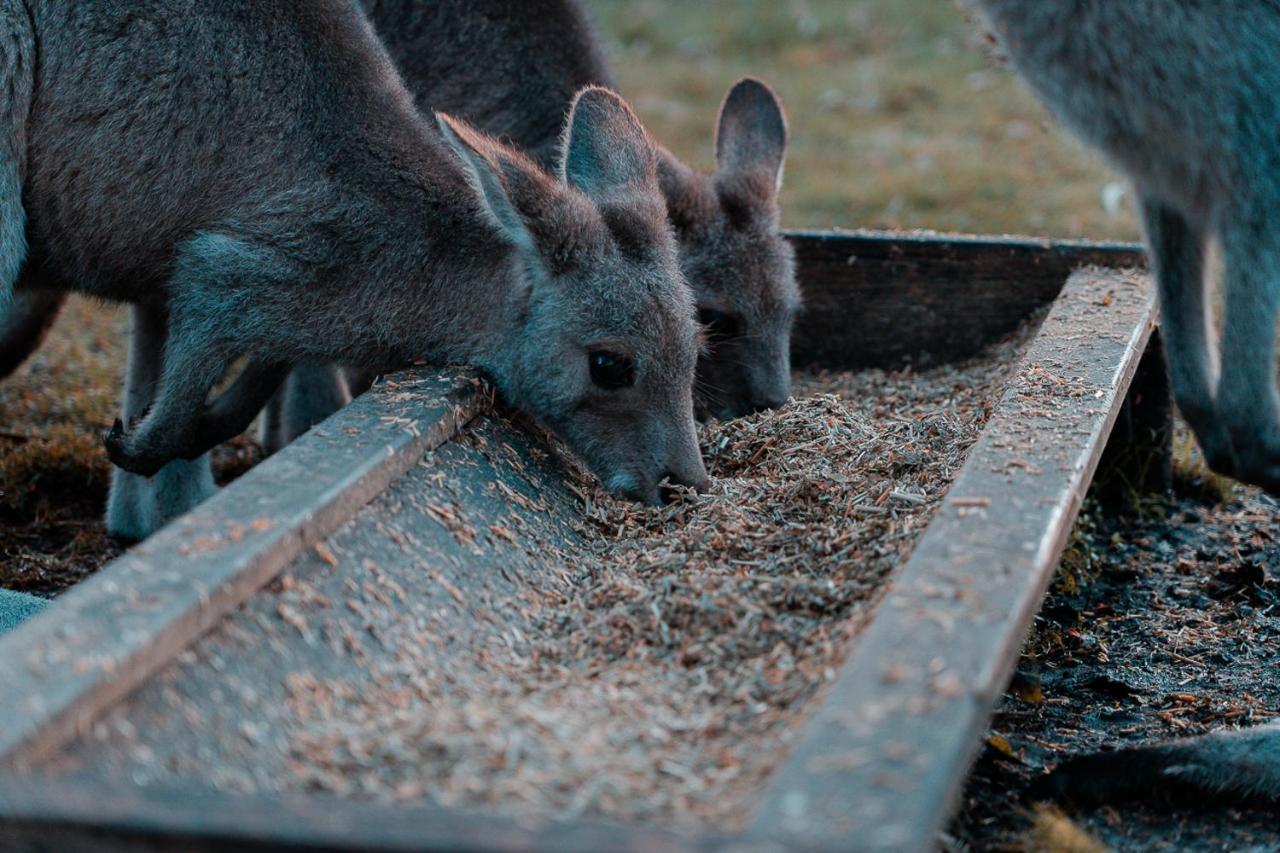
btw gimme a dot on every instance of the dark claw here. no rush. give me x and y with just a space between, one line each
122 458
114 440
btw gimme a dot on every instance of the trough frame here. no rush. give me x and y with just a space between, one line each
880 762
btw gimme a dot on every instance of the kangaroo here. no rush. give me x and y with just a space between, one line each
511 67
257 181
1183 97
1240 766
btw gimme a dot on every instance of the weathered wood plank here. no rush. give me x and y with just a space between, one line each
881 763
43 814
877 299
104 637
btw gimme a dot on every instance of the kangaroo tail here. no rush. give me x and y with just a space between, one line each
24 325
1235 767
17 63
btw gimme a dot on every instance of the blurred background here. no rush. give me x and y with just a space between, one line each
901 116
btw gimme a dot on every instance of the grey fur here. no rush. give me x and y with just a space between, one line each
1184 96
1240 766
310 394
25 323
256 170
511 68
17 75
136 505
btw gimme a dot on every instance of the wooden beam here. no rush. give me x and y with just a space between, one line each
44 813
58 670
881 763
877 299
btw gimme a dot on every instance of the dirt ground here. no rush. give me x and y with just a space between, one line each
1162 623
53 470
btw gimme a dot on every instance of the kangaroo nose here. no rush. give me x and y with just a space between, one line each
767 405
700 483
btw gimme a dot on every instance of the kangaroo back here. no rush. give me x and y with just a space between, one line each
17 60
510 67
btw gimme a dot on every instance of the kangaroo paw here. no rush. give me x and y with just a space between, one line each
123 456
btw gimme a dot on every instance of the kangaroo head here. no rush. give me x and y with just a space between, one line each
741 268
605 343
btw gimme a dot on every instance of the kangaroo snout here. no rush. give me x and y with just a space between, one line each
694 479
768 404
657 486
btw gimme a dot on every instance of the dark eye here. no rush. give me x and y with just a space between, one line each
719 325
612 371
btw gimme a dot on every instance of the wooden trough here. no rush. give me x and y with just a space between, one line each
881 761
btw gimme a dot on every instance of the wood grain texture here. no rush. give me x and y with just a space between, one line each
72 817
879 299
880 764
107 635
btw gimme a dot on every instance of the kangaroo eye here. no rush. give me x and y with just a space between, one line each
612 371
719 325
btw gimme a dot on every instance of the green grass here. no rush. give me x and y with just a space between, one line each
901 116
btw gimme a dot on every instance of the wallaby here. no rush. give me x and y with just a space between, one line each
510 67
1241 767
1183 97
253 175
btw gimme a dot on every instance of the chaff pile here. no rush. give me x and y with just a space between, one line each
662 678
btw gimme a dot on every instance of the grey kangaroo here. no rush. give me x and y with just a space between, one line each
253 176
511 67
1184 97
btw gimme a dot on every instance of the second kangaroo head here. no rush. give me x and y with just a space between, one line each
741 268
603 345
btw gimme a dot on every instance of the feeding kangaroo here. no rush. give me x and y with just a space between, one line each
254 178
1185 98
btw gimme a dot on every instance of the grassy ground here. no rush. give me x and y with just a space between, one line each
900 115
53 471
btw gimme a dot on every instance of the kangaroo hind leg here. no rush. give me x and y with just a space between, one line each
311 393
1248 399
1178 256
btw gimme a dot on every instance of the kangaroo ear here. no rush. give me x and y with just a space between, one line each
752 134
606 153
479 155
